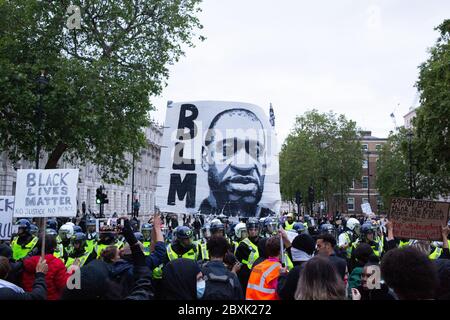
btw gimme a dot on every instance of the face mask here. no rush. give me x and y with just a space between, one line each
200 288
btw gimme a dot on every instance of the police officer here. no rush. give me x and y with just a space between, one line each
146 231
91 234
201 243
349 238
182 246
328 228
63 247
80 251
247 249
24 242
107 238
271 226
368 236
289 223
300 228
52 224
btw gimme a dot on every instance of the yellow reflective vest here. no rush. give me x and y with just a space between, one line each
19 251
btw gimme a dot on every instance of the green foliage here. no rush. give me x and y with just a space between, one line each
101 76
432 135
323 151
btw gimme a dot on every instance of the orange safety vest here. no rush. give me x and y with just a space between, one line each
260 277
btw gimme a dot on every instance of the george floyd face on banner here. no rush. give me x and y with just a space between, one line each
232 168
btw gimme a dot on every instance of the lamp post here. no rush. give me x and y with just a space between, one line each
42 83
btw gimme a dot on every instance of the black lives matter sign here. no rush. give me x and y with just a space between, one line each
418 219
46 193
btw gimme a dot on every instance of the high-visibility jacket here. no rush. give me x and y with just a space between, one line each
101 246
191 254
404 243
260 277
254 253
437 252
288 226
288 261
20 251
204 254
147 245
91 243
82 259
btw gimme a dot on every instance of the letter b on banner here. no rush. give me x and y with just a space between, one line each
374 278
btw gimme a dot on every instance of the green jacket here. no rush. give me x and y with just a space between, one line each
354 280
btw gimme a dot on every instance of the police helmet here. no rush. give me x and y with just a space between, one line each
367 228
24 223
34 230
328 228
183 232
271 225
66 232
206 231
146 227
252 223
77 229
90 222
52 224
51 232
299 227
240 230
216 227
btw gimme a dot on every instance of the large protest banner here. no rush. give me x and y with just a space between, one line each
218 158
6 216
418 219
46 193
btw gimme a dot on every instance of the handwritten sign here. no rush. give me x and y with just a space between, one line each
418 219
6 216
46 193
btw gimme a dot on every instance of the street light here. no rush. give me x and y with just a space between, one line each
42 83
368 175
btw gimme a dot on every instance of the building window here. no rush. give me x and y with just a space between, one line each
352 186
351 204
378 147
365 164
365 182
365 147
365 200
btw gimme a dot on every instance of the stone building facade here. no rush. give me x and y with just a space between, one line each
119 196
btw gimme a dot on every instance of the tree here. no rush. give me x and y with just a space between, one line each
432 134
393 168
322 151
101 76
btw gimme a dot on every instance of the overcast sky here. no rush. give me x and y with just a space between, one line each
354 57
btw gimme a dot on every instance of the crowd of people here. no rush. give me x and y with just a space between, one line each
292 257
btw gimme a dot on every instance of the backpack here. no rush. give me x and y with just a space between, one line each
218 287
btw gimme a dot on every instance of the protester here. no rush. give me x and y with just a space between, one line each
55 278
302 249
410 273
221 284
182 280
263 280
320 281
10 291
325 246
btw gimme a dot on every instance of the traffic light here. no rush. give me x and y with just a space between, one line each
104 198
98 196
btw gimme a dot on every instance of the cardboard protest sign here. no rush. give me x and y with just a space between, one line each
6 216
366 208
418 219
218 158
46 193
